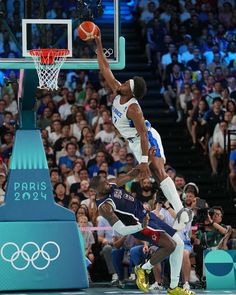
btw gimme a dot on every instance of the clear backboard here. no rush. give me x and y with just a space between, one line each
33 24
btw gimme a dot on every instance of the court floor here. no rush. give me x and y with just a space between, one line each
108 291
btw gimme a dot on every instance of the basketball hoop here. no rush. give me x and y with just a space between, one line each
48 63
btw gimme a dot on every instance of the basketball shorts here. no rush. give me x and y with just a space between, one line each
154 139
155 226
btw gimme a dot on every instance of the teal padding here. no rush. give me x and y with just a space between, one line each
28 151
29 193
85 65
41 256
220 269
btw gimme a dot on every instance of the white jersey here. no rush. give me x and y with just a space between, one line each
127 129
119 117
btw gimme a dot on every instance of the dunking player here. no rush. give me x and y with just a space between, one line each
127 117
127 216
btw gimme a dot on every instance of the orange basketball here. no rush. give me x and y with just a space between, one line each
87 30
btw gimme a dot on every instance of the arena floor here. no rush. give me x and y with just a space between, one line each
108 291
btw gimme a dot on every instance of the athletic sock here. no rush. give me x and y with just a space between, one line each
147 265
170 192
176 259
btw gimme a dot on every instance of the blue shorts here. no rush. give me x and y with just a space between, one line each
188 246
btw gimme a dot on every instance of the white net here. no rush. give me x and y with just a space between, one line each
48 63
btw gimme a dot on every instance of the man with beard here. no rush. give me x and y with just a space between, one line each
127 117
145 193
65 109
93 110
190 193
179 183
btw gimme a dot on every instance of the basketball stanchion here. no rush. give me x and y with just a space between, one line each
41 247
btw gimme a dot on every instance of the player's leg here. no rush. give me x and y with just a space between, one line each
165 247
175 257
166 183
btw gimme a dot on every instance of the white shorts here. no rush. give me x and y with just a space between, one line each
154 139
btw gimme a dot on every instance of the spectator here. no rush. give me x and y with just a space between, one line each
2 109
65 109
105 238
60 194
209 235
56 131
71 157
75 187
213 116
107 135
87 237
217 148
179 183
198 130
3 178
144 191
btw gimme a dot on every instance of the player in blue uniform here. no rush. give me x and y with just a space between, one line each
127 216
127 117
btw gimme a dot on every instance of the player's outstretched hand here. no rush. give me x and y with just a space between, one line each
151 153
146 221
144 170
97 37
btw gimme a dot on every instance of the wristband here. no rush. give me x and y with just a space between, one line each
144 159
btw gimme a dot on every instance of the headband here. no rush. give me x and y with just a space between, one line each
131 84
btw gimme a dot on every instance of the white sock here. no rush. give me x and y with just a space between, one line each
147 265
176 259
170 192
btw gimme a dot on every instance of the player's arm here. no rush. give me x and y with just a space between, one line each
108 213
104 65
121 180
135 114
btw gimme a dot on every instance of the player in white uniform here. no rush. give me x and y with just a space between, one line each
127 117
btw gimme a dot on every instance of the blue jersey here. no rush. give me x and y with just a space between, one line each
128 209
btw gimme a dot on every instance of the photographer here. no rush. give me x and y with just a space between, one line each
209 234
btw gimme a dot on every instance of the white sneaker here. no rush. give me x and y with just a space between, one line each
183 217
156 286
132 277
186 286
114 278
193 277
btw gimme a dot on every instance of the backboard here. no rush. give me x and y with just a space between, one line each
33 24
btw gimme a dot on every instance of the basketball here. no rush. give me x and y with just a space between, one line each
87 30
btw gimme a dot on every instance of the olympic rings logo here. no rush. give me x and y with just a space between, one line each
107 52
22 255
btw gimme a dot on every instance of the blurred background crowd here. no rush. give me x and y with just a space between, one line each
190 47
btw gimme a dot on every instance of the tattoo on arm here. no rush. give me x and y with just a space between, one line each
108 213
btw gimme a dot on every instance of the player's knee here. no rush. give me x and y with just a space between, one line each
171 246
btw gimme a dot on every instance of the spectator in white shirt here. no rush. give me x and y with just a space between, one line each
65 109
188 55
217 147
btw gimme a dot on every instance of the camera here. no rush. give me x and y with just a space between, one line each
161 199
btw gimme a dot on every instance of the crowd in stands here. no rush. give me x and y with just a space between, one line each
192 46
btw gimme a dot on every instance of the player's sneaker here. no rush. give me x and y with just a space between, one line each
183 217
186 286
156 286
142 279
179 291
